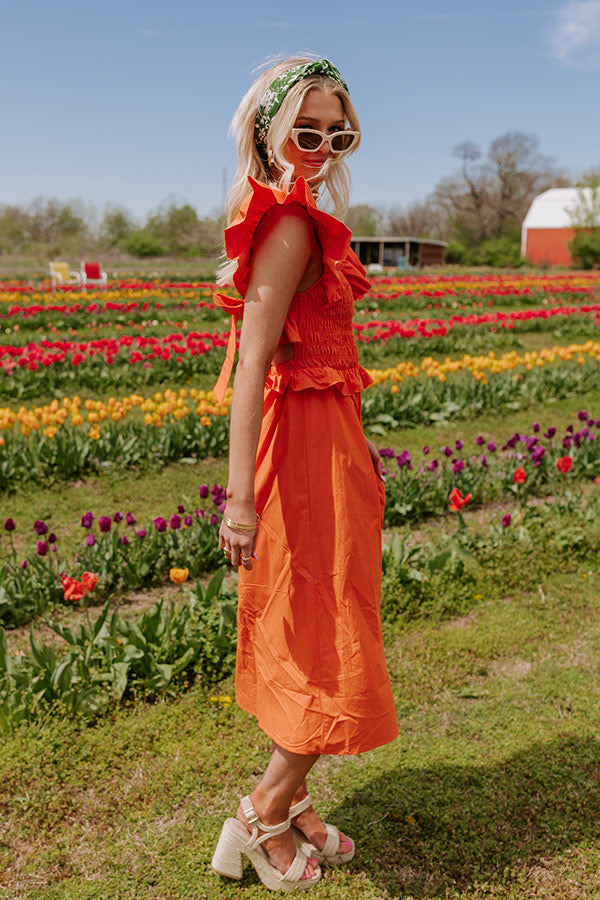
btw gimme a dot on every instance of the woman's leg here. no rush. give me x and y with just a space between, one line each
272 799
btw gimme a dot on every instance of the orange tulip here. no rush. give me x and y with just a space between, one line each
457 501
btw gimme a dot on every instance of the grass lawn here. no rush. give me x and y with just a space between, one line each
491 790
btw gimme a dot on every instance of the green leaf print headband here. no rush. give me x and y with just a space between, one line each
276 92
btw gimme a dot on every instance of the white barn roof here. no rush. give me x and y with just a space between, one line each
551 209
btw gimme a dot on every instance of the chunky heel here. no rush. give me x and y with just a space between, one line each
227 859
235 841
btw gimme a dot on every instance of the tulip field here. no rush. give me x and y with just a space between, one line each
116 606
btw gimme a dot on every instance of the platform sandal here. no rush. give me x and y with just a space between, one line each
235 841
331 849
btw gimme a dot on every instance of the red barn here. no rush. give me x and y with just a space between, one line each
547 227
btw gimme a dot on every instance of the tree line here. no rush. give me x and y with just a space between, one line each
50 227
478 210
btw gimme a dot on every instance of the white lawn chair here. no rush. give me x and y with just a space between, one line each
61 275
92 273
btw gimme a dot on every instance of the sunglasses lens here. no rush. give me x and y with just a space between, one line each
342 141
309 140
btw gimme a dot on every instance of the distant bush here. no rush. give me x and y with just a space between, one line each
456 252
585 248
142 243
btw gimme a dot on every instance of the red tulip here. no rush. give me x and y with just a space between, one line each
564 464
457 501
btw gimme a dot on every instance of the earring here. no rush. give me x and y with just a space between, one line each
269 158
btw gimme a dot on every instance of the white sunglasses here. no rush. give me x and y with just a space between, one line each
311 140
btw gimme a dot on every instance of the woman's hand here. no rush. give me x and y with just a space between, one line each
375 458
238 546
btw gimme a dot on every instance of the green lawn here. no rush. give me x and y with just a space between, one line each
491 790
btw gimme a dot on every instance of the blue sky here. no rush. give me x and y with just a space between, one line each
129 102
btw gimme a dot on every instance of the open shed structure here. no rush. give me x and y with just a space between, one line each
547 227
399 252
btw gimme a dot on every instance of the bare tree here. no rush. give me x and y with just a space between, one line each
424 219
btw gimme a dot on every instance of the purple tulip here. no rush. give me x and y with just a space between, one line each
42 548
582 416
175 522
458 465
125 540
433 465
203 491
591 437
590 423
130 518
550 432
160 524
506 520
189 520
569 429
598 423
53 547
447 451
425 450
86 520
535 427
223 505
180 509
199 513
403 459
141 532
105 523
214 520
24 564
40 527
52 539
458 444
9 525
566 442
491 446
118 517
483 460
90 539
386 451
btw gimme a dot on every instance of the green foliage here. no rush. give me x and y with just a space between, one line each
112 659
456 252
116 227
585 248
143 243
443 577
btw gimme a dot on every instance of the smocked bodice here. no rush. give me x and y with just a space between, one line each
319 321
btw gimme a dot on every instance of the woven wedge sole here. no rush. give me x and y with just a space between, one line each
234 844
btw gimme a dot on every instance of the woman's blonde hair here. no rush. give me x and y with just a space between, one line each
280 173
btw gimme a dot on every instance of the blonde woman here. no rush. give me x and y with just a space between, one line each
305 497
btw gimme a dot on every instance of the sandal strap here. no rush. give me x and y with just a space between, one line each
253 819
300 806
296 870
331 846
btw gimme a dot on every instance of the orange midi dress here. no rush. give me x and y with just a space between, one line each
310 660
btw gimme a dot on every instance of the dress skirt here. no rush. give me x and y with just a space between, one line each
310 660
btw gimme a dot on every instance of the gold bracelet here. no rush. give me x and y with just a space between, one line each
239 526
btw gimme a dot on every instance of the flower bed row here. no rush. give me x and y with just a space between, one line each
69 438
124 555
120 552
112 660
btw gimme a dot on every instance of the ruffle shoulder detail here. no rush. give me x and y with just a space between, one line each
333 236
347 381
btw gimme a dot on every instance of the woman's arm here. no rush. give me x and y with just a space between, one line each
283 249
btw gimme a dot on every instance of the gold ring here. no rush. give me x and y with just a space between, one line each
226 551
246 558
